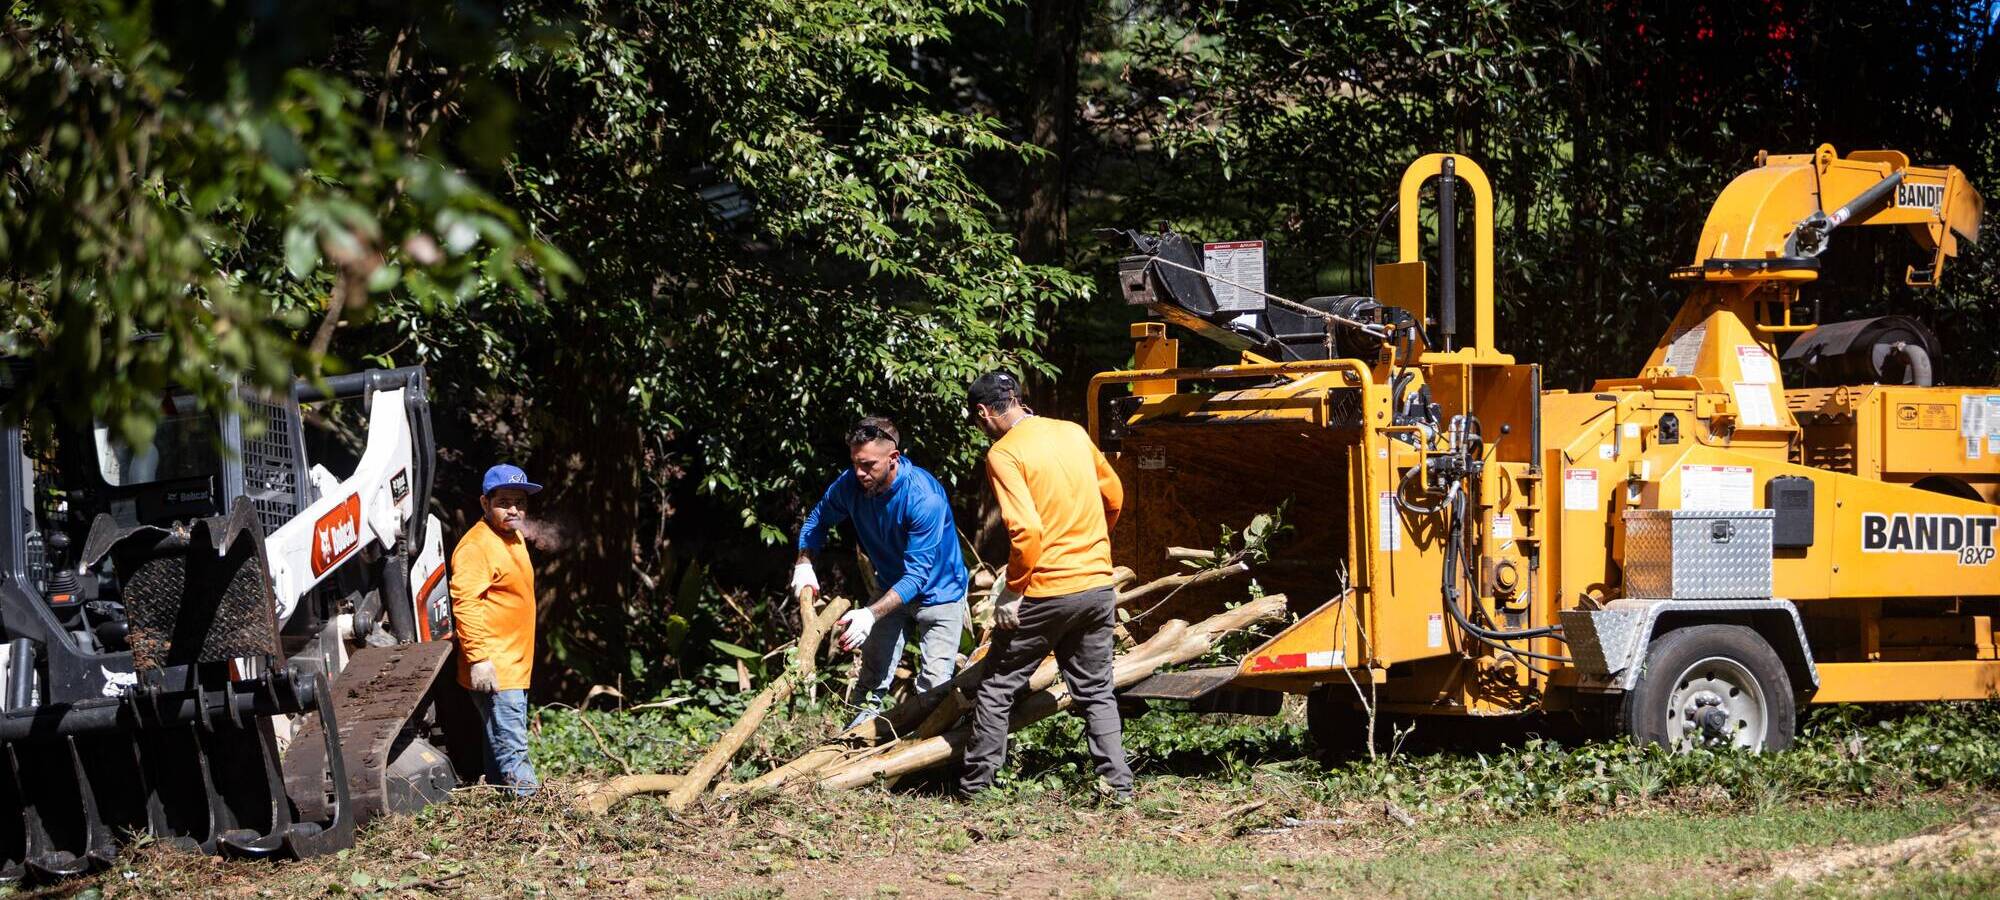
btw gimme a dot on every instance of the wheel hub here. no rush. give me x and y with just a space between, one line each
1717 702
1714 722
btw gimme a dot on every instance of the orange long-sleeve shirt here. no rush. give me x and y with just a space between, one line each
493 599
1059 498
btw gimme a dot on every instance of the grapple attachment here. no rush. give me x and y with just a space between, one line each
174 738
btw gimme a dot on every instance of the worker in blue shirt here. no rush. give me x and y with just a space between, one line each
904 524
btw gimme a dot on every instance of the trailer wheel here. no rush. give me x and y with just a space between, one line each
1711 686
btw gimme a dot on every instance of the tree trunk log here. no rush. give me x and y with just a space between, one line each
600 798
935 711
896 723
1173 583
808 661
1180 647
725 747
1055 26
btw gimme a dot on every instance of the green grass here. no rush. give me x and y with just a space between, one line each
1656 852
1652 853
1183 839
1980 880
1225 807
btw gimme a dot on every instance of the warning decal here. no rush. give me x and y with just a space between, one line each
1686 349
1580 489
1754 406
1389 531
1972 413
1717 487
1755 364
1241 262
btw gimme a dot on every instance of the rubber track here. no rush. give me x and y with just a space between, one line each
375 695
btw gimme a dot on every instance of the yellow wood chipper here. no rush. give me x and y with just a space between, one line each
1693 552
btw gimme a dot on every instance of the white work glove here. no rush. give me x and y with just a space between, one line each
484 679
1007 609
855 627
803 577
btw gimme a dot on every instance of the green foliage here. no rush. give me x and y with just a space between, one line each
1607 132
1841 752
852 265
1052 753
652 740
1251 544
778 231
670 739
180 176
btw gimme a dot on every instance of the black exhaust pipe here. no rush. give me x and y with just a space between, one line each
1447 187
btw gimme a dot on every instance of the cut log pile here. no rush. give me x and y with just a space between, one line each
932 728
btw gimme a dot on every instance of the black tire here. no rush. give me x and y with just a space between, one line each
1726 676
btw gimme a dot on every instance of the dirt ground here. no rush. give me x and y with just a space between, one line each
1180 839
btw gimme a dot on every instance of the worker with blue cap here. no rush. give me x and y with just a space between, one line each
493 600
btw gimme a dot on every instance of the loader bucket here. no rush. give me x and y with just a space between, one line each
177 742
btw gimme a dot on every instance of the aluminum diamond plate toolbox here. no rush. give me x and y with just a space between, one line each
1693 554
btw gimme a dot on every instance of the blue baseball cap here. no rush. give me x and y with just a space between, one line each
505 475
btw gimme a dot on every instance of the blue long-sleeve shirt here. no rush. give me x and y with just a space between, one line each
908 533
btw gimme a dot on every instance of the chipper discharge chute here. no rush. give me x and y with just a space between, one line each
176 616
1687 555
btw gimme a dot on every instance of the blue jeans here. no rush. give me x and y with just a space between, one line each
937 628
506 717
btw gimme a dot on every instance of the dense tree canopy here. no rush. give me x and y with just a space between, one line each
661 251
1607 129
185 172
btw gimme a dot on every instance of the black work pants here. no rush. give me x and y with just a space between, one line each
1077 628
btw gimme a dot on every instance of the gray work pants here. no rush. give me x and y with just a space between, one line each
937 628
1077 628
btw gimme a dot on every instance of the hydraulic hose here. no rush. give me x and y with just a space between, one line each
1455 533
1495 638
1460 474
1403 488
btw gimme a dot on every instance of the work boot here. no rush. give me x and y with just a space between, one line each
1110 795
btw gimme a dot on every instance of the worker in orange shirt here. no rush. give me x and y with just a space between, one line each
493 599
1059 498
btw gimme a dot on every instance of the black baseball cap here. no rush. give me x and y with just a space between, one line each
992 389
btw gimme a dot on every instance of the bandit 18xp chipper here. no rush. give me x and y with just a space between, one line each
1692 552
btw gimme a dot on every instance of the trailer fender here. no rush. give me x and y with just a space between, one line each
1609 644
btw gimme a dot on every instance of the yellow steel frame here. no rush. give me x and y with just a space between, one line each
1714 373
1905 682
1409 245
